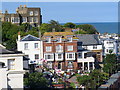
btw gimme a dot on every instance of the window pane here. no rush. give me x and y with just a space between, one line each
36 45
48 49
70 48
30 19
36 56
70 55
59 56
31 13
35 19
26 46
36 13
79 55
11 64
24 19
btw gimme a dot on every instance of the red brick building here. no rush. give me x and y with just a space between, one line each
60 50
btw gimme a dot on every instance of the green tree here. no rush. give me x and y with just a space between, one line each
93 80
110 63
85 81
69 25
36 80
8 32
55 25
80 32
24 27
45 27
90 29
99 77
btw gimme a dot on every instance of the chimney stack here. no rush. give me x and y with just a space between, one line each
19 36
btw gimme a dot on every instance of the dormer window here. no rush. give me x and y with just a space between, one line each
59 39
48 40
70 39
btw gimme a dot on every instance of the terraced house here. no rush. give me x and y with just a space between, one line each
64 51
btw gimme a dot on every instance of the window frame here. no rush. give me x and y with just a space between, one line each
31 13
70 48
68 56
36 56
11 66
35 45
48 48
25 46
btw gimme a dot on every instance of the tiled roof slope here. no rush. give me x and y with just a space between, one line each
58 33
30 38
89 39
5 51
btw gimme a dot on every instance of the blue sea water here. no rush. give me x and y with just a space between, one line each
102 27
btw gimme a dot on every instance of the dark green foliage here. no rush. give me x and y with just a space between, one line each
93 80
55 25
110 63
35 80
45 27
69 25
10 32
89 29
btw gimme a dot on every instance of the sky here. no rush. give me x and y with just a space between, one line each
76 12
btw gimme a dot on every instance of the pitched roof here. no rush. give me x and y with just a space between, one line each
5 51
58 33
30 38
89 39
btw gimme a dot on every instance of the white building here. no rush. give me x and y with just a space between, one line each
32 47
91 42
86 60
11 69
110 44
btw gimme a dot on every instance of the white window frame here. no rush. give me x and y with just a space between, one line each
57 57
17 19
68 56
59 48
25 47
12 19
7 19
70 39
24 19
49 59
35 45
70 48
31 13
11 64
48 48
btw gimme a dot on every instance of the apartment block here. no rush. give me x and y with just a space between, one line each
24 14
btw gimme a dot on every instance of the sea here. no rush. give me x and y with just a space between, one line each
103 27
